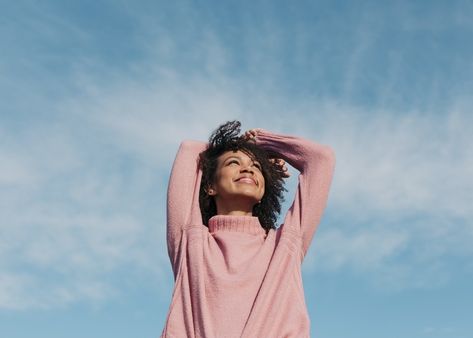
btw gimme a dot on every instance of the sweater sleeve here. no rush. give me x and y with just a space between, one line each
183 196
315 163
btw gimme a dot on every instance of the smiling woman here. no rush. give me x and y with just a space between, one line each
228 160
236 273
238 185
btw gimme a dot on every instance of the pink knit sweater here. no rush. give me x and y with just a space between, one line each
231 279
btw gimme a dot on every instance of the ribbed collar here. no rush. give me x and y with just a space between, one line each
247 224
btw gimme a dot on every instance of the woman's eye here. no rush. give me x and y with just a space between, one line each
233 161
257 165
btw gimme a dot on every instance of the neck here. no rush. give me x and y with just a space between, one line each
234 209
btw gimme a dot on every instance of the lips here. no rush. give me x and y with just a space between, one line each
247 180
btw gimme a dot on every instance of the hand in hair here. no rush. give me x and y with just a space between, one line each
281 164
251 135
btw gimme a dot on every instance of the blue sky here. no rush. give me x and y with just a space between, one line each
95 97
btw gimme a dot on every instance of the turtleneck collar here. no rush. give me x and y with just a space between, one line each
246 224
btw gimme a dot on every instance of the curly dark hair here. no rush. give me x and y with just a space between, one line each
227 138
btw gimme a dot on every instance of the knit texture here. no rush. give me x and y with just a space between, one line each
232 279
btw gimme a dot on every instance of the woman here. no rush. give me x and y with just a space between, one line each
236 273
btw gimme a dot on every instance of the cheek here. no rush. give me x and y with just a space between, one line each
223 176
227 173
263 183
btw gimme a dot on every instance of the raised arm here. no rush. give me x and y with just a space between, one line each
183 195
316 164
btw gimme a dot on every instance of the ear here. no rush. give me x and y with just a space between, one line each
210 191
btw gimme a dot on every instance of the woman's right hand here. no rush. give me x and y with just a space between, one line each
251 134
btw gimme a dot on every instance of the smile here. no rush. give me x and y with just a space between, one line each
246 180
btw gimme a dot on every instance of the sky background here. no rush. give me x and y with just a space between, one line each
95 97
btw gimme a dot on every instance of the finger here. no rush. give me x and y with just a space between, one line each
277 160
249 137
254 132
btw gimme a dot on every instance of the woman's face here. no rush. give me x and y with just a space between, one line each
238 178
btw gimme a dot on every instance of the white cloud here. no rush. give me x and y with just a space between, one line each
26 291
365 250
12 291
82 216
84 195
76 219
13 171
400 201
408 163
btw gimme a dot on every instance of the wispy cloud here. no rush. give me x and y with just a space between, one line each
399 203
83 192
78 215
391 169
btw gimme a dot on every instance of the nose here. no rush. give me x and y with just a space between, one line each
247 168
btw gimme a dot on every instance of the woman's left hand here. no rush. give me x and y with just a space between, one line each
281 164
251 135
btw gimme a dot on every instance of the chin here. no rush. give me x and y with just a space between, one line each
251 196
